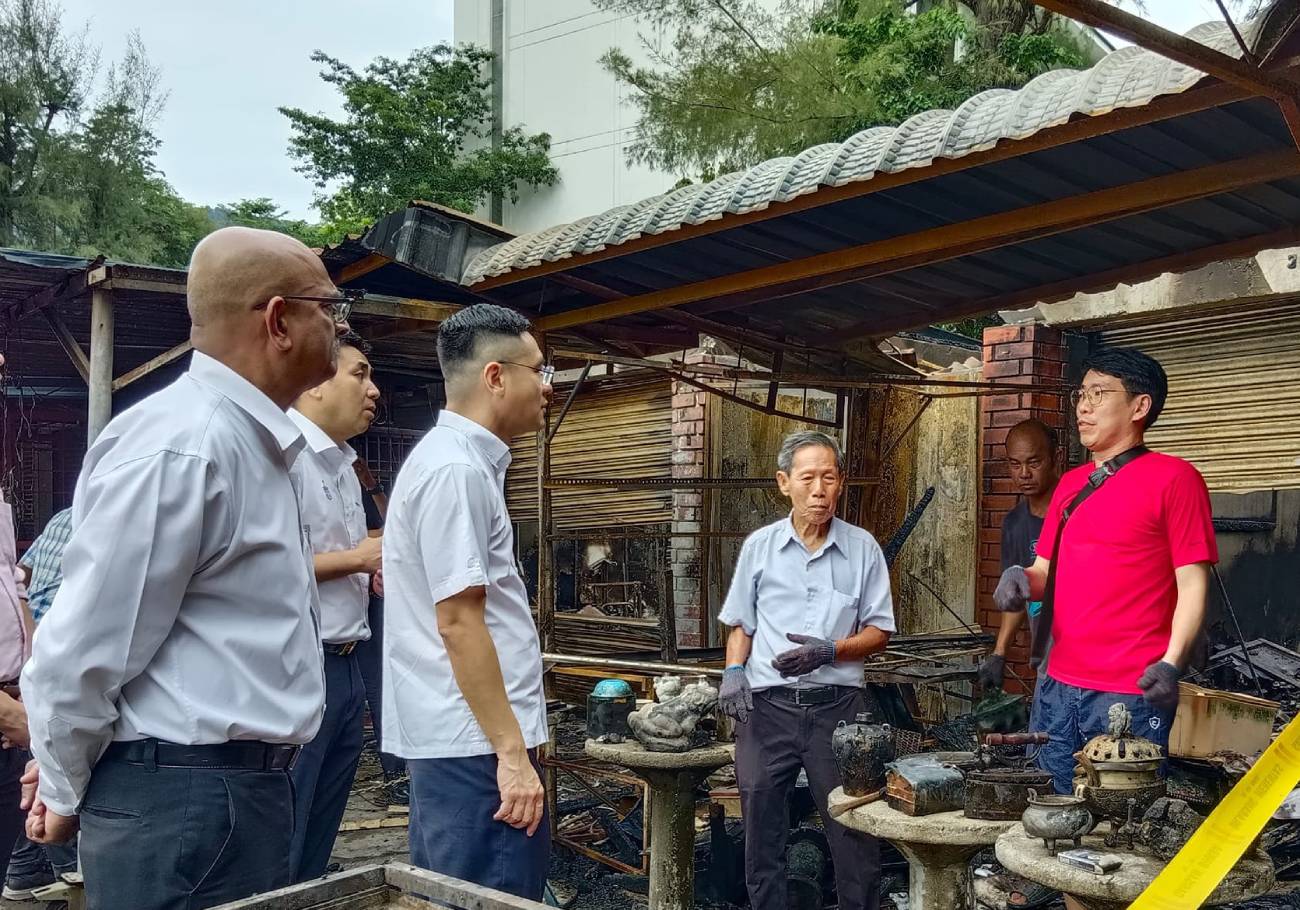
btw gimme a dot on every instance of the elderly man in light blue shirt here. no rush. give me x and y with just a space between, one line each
809 600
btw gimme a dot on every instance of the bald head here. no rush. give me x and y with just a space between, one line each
236 268
1034 434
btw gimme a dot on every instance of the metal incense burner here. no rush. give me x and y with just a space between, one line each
1119 774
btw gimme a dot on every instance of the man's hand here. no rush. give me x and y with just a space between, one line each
377 583
1159 685
734 695
1012 593
992 673
13 723
371 552
523 798
811 654
43 826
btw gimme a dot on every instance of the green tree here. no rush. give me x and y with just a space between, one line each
412 129
736 82
264 213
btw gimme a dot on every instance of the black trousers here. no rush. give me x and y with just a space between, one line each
779 739
183 839
370 654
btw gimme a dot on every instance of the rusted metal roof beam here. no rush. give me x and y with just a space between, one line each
951 241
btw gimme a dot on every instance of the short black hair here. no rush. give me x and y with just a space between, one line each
353 340
461 337
1139 373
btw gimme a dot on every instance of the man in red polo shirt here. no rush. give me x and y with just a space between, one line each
1132 570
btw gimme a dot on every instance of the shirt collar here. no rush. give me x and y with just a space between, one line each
789 535
320 442
251 400
494 450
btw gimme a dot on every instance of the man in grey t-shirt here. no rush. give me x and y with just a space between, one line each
1031 454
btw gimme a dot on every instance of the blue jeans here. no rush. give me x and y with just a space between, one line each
30 859
452 830
326 768
1071 716
157 838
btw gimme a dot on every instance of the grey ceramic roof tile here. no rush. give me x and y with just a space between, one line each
1128 77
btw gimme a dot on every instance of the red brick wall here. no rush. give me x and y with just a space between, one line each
1021 355
690 406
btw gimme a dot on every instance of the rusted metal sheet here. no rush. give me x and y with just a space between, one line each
1234 393
619 431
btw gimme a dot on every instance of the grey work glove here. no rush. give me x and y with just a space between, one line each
811 654
734 695
1159 685
1012 593
992 672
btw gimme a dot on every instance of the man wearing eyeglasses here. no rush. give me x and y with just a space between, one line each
462 679
1129 573
179 670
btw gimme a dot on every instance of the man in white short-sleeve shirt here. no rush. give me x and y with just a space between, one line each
462 681
808 601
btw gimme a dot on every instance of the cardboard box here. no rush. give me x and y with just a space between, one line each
1210 721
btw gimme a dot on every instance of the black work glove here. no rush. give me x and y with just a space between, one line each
811 654
992 672
1159 685
1012 593
734 695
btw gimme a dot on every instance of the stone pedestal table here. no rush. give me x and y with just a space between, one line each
672 778
1028 857
938 848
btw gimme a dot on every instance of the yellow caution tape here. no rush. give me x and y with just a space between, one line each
1214 849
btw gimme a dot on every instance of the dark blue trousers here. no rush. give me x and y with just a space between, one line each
370 654
183 839
326 768
452 830
1071 716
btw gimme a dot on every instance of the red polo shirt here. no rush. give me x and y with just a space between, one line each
1115 586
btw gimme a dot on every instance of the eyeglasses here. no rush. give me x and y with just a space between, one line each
547 371
1094 396
338 306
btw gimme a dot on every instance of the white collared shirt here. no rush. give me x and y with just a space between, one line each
188 605
447 530
779 587
335 520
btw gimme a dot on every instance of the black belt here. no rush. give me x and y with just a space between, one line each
238 755
808 695
343 649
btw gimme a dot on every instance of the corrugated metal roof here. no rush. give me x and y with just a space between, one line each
1129 77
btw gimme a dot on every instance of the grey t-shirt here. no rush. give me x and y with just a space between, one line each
1020 530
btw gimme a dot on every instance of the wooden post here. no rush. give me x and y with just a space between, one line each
546 590
100 409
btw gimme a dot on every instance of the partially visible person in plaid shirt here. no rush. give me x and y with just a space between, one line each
43 563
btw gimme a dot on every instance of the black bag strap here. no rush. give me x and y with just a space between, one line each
1108 469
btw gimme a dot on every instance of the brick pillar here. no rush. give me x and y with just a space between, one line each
1021 355
690 407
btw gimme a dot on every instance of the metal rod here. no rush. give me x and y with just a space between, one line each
681 483
568 402
1245 649
614 663
1241 42
902 434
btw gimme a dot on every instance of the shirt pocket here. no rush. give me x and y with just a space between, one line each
843 619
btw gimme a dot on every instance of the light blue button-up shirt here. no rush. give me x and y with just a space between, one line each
833 593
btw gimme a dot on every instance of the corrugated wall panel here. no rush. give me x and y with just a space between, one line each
1234 394
621 431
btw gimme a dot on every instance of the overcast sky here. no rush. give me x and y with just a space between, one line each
230 65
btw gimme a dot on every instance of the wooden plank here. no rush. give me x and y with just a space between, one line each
70 287
1184 50
172 288
68 343
453 891
947 242
100 378
1075 130
361 267
428 311
150 365
312 894
374 824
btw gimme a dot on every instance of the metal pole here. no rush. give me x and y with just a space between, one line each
546 591
568 402
643 666
1245 649
100 406
496 204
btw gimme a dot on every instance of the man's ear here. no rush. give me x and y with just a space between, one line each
277 324
493 377
1141 408
783 482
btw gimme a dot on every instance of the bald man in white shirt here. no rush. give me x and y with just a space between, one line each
179 671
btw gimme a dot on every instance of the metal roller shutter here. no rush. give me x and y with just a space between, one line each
620 431
1234 393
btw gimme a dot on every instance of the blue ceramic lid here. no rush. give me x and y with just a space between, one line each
612 688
